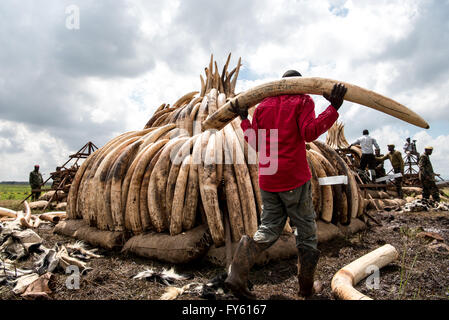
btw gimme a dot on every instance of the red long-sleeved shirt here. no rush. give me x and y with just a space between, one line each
289 121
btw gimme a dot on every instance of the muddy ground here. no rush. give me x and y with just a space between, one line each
421 272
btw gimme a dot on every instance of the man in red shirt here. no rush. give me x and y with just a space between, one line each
280 127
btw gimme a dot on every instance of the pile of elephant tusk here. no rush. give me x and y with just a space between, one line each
190 165
336 137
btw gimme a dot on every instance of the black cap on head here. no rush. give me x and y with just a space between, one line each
291 73
365 132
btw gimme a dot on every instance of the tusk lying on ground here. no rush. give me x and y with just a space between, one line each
305 85
25 220
54 217
344 280
4 212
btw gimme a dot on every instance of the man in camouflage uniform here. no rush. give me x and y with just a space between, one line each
36 182
380 170
397 163
427 176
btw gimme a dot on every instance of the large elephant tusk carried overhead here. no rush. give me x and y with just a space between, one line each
304 85
343 281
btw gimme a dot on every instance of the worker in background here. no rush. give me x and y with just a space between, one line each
427 176
397 163
380 170
287 191
410 147
368 159
35 182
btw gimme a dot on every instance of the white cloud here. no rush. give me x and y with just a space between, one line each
24 148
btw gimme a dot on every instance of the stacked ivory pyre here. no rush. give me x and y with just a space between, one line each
171 176
336 136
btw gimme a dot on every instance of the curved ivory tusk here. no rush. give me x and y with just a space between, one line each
25 221
5 212
304 85
54 217
345 278
27 211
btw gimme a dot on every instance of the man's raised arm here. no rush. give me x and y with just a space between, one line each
311 127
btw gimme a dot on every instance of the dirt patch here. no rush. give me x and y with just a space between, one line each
421 272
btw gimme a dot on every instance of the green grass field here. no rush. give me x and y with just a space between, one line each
14 192
446 191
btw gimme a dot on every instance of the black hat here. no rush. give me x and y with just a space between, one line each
291 73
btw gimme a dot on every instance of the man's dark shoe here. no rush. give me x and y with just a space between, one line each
307 262
244 258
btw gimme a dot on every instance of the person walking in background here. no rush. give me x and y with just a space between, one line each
368 159
35 182
427 176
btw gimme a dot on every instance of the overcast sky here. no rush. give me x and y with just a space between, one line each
62 86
